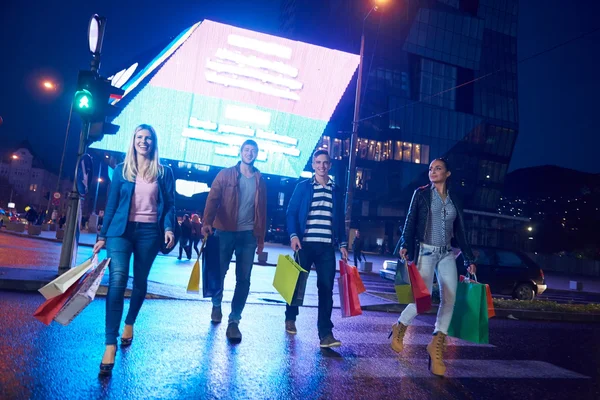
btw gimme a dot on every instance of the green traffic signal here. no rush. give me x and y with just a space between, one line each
83 102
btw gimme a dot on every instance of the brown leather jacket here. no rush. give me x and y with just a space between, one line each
221 209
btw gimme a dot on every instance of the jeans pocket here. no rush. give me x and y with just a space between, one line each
426 253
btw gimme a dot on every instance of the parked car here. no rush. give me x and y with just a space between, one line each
508 272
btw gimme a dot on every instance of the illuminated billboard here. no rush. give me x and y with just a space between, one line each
217 85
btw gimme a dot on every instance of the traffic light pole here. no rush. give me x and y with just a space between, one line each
68 252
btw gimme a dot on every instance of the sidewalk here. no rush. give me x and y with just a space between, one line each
555 281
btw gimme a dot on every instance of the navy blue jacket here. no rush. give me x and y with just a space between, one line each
116 214
299 207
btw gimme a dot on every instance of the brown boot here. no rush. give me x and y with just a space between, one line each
436 351
397 334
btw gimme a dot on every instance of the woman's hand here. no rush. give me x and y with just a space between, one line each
98 246
472 269
169 239
403 253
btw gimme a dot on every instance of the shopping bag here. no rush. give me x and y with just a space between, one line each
286 279
84 295
404 294
46 312
490 302
355 275
298 297
420 292
470 318
194 282
212 279
59 285
401 276
488 293
349 302
360 286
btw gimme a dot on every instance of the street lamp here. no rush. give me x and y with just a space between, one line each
15 157
354 136
49 85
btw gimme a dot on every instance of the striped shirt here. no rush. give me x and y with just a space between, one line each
319 223
440 224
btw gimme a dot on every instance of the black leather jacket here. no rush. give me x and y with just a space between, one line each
416 223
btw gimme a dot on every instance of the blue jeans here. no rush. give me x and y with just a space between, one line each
442 262
143 241
322 255
244 245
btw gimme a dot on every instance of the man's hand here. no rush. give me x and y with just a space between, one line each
344 253
169 239
295 244
98 246
207 230
260 248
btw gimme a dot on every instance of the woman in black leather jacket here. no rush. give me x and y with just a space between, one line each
434 219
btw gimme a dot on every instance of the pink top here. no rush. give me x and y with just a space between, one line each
144 202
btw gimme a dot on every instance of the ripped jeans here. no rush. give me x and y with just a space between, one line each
442 261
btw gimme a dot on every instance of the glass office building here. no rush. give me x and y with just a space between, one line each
439 80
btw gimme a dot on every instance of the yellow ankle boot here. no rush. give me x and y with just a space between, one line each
436 351
397 334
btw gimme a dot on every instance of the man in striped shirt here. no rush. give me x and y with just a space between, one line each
315 222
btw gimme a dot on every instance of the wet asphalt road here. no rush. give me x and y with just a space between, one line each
178 354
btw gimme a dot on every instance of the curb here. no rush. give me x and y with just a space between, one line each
17 280
526 315
24 235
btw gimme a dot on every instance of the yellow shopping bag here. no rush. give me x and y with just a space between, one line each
286 277
194 283
404 293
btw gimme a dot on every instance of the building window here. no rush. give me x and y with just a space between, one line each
410 152
436 81
33 187
363 176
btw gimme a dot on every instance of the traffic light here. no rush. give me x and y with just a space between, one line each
92 103
84 103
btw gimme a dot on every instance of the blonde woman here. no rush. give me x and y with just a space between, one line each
139 216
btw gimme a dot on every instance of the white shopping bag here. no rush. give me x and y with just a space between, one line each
63 282
83 296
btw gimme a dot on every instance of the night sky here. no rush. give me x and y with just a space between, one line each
557 91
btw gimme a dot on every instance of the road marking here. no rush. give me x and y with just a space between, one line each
417 368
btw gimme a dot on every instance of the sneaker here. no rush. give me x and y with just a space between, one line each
290 327
233 332
330 341
216 315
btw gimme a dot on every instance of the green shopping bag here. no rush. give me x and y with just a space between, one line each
470 318
402 284
287 278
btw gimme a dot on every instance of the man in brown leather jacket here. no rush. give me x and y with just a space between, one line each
237 208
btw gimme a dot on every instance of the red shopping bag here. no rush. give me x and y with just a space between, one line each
349 302
488 292
50 308
420 292
356 279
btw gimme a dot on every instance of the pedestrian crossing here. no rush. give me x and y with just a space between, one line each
381 362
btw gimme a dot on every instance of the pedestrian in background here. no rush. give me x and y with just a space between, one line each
139 216
196 233
185 239
237 206
357 248
315 222
435 217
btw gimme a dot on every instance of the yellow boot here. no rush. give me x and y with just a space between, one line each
436 351
397 335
